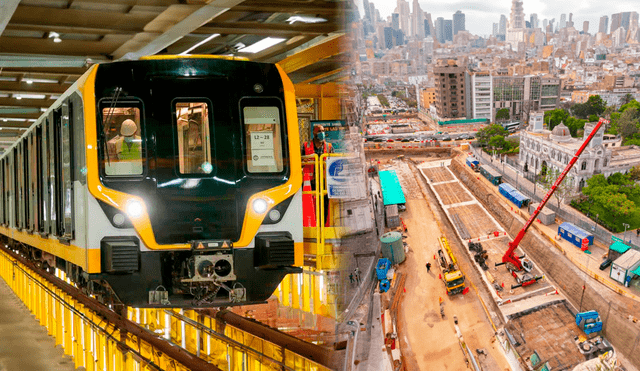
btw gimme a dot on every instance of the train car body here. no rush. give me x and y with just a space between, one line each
163 182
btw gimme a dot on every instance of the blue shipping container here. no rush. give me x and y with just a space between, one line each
472 163
574 234
513 195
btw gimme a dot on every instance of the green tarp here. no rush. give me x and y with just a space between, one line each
391 190
619 247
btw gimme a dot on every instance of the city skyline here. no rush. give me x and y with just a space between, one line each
480 16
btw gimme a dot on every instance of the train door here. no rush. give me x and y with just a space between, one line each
46 201
2 193
64 184
38 180
53 185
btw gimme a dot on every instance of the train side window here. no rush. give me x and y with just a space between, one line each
263 139
194 138
124 145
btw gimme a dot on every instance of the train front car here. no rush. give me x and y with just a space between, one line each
195 172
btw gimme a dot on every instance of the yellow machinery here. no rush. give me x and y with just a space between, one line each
451 274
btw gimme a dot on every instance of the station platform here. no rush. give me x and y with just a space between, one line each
24 344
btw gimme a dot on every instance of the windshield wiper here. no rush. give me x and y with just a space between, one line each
105 129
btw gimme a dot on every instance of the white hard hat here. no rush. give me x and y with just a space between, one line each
128 128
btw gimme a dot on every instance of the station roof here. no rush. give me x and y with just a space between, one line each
45 45
619 247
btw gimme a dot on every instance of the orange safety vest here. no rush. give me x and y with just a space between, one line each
310 150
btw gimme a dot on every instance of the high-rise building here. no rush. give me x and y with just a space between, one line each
496 29
570 21
367 10
503 25
585 27
395 21
458 22
428 26
604 24
533 19
623 19
440 30
545 23
616 22
450 80
417 21
403 10
481 95
563 20
517 15
388 37
448 30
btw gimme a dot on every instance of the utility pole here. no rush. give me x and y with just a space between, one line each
624 237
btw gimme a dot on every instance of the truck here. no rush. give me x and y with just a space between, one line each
473 163
451 275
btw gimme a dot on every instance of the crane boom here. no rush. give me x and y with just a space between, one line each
510 256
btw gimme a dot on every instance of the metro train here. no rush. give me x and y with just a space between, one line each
170 181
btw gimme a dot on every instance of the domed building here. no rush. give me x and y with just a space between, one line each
543 149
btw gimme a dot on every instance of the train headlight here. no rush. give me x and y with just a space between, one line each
260 205
134 209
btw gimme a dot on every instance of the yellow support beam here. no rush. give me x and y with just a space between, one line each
328 48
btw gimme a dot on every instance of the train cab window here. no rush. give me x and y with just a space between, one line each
124 147
194 138
263 139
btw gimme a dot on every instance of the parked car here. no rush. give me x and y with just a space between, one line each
446 138
605 264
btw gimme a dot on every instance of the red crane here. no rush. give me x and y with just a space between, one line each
510 258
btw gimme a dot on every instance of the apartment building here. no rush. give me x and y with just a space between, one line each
450 80
482 90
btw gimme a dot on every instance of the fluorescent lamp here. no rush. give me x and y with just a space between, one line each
186 52
32 96
304 19
261 45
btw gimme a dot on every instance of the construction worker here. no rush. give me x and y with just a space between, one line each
127 146
318 146
428 267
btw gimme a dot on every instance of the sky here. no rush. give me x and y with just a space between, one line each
480 15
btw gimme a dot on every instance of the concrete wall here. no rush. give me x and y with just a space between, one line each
613 308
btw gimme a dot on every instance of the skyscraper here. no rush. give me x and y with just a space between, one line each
604 24
458 22
496 29
395 21
440 29
534 20
517 15
563 20
585 27
448 30
403 10
428 26
503 25
417 21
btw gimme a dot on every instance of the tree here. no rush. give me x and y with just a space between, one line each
502 114
634 173
563 190
627 124
595 105
484 135
498 142
555 117
626 99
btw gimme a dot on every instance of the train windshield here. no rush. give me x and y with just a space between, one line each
263 139
194 138
123 141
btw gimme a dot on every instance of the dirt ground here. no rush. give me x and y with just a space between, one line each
428 341
452 193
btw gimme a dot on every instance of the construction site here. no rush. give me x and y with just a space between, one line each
505 319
